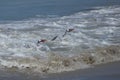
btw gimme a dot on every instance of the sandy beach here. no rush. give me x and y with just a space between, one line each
109 71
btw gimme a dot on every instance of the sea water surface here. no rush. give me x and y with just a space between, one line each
96 23
25 9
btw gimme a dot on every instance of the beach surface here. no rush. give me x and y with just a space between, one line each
109 71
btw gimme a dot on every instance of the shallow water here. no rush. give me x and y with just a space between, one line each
105 72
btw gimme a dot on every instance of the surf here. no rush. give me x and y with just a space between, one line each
94 31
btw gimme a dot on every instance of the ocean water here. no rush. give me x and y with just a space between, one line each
23 23
25 9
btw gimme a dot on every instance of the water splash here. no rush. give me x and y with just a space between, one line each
95 28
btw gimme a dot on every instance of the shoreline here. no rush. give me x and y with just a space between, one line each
99 71
58 63
107 71
93 69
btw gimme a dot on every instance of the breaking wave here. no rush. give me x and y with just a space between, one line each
95 39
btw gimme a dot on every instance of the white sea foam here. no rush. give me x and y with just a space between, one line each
95 28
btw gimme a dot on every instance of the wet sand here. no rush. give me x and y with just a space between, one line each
109 71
